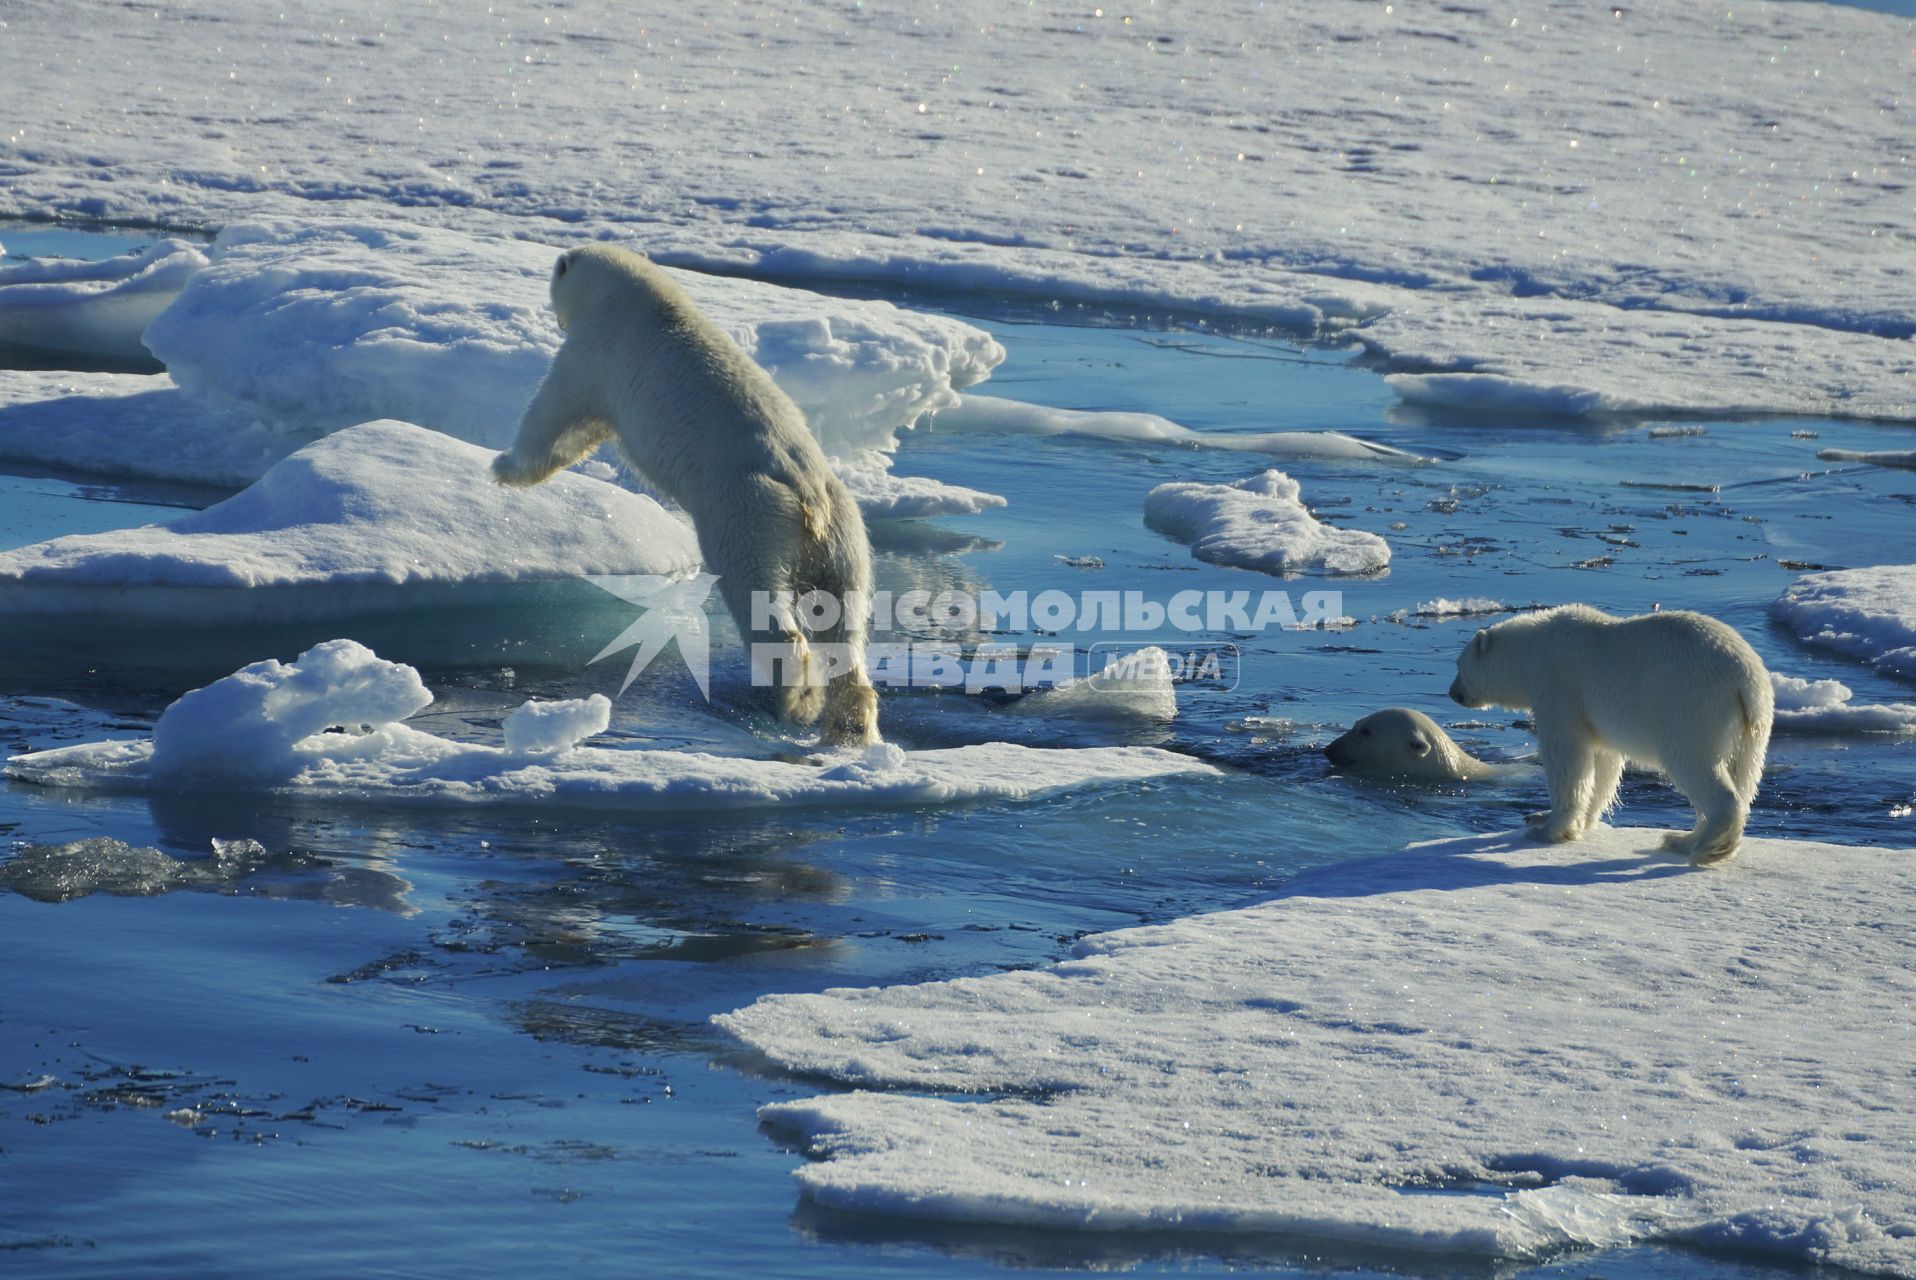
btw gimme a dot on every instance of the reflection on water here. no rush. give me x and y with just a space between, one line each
102 864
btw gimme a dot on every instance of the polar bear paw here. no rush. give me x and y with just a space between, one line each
1681 843
1545 828
510 469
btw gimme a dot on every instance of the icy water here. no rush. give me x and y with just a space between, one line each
411 1043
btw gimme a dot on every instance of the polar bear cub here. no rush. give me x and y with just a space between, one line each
1675 691
1402 743
711 430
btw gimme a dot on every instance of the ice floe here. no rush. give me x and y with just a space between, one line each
331 323
93 308
1902 459
379 505
1824 707
329 726
1560 201
1444 607
1260 522
134 425
1868 614
1556 356
1481 1046
992 415
547 728
284 330
882 495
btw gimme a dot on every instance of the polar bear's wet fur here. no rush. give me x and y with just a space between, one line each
1676 691
710 429
1398 742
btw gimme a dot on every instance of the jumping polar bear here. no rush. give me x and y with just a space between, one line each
1676 691
713 432
1403 743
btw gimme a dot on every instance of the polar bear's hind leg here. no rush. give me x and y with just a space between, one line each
851 711
1720 815
836 561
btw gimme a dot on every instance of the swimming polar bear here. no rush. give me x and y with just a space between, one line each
1675 691
1406 744
711 430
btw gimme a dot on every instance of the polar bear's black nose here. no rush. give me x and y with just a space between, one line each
1457 694
1337 754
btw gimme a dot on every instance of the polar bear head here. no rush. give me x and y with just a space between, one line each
582 277
1403 743
1494 668
1470 688
1485 675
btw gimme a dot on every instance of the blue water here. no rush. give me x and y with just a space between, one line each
465 1042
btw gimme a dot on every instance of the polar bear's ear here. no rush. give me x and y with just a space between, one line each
1481 645
1419 745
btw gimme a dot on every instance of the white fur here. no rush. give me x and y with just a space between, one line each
1674 691
711 430
1399 742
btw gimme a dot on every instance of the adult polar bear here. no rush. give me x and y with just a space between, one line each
1677 691
713 432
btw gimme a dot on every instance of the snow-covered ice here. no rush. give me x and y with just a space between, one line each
269 720
1555 196
881 495
547 728
1577 357
330 725
1824 707
323 326
1498 393
282 331
993 415
133 425
379 505
1868 614
331 323
1260 522
93 308
1480 1046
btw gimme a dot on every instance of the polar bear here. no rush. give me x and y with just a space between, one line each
710 429
1403 743
1675 691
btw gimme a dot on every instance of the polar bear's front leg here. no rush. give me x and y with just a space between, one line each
1570 767
556 431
